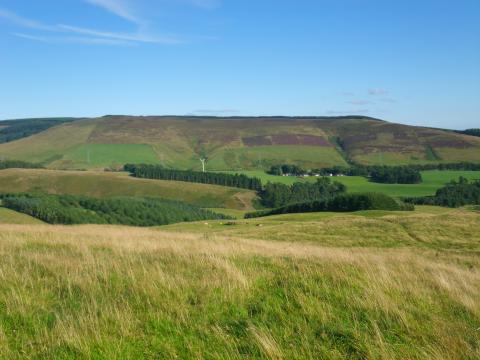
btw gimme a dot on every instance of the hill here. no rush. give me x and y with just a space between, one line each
359 286
110 184
238 143
8 216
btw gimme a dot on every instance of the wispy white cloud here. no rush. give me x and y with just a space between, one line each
23 22
86 35
377 91
134 37
388 100
72 39
120 8
359 102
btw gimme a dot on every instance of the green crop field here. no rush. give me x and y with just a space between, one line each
109 184
380 285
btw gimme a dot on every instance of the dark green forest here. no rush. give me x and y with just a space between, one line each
454 194
66 209
276 194
340 203
223 179
17 129
471 132
17 164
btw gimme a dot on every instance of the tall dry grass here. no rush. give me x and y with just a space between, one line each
107 292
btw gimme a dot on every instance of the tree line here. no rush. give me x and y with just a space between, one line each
67 209
277 194
454 194
224 179
471 132
17 129
377 173
404 174
339 203
366 170
17 164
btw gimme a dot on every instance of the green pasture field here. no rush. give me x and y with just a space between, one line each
432 180
262 157
113 155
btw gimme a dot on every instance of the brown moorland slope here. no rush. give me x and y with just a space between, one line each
240 143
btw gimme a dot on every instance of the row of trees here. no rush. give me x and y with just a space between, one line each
276 194
366 170
161 173
340 203
454 194
380 174
285 169
395 175
10 164
66 209
406 174
471 132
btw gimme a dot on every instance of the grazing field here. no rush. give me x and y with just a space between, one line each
108 155
305 286
262 157
110 184
432 180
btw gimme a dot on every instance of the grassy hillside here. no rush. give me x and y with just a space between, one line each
239 143
8 216
11 130
385 286
109 184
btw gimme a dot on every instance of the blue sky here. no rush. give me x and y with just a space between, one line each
408 61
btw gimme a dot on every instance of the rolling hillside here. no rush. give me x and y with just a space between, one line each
108 184
238 143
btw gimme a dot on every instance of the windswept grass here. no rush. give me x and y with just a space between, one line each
106 292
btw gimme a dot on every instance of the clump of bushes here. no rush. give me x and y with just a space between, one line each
340 203
17 164
67 209
454 194
275 194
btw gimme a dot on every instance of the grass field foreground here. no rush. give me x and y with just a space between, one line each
108 292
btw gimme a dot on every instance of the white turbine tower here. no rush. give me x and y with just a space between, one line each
203 160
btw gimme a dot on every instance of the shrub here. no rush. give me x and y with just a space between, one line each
340 203
66 209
